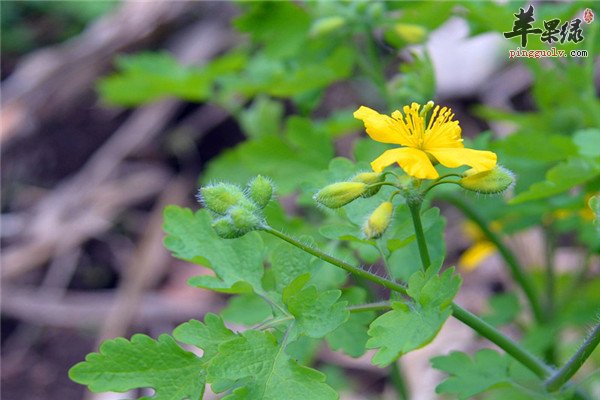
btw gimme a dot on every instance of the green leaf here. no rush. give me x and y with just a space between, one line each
122 365
316 313
262 118
238 263
270 156
247 309
255 366
351 337
281 26
410 326
547 147
145 77
289 262
206 336
469 377
588 142
560 178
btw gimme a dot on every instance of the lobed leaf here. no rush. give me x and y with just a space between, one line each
255 366
412 325
122 365
238 263
469 377
316 313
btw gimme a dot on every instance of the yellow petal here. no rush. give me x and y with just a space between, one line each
414 162
380 128
471 258
480 160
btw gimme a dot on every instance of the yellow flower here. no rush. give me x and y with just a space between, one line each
481 249
424 145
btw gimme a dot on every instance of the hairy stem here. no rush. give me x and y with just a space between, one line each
471 320
396 287
515 267
572 366
505 343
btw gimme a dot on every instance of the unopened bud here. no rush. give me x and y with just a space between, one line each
494 181
244 220
411 33
402 34
378 221
260 190
225 229
369 178
339 194
326 25
218 198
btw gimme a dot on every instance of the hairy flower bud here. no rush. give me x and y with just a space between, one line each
326 25
244 219
369 178
220 197
225 229
494 181
260 190
339 194
378 221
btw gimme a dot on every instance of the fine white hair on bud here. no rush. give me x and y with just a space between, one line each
219 197
493 181
369 178
260 190
378 221
339 194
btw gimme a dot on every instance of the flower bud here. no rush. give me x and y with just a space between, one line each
339 194
225 229
260 190
411 33
218 198
326 25
369 178
378 221
494 181
243 219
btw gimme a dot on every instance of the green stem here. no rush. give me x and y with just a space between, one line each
376 66
415 211
572 366
448 176
514 266
437 184
471 320
505 343
397 378
379 184
379 306
550 273
396 287
549 309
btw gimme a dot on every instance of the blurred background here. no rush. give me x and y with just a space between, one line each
113 109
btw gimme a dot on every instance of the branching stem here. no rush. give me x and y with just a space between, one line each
473 321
